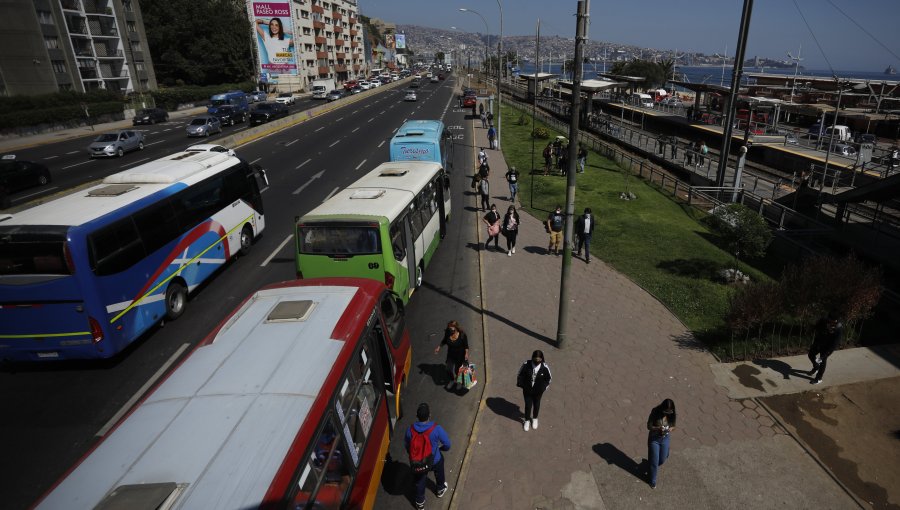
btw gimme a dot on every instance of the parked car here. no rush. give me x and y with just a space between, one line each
204 126
469 101
434 78
334 95
410 96
364 84
865 138
791 139
209 147
672 101
414 84
150 116
18 174
258 95
374 83
229 115
844 150
285 98
116 143
265 112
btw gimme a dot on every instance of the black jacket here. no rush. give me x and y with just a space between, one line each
579 225
541 381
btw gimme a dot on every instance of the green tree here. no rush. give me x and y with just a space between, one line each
667 67
199 43
744 232
439 56
618 67
651 72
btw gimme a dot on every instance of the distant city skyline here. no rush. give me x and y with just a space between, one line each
707 26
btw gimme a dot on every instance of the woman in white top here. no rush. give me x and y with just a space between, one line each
275 40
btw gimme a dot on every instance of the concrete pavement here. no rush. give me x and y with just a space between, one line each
625 353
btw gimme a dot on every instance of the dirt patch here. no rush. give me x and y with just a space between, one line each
854 430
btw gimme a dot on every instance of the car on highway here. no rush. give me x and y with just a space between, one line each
229 115
791 139
434 78
285 98
116 143
374 83
204 126
258 95
441 76
356 89
150 116
364 84
209 147
18 174
469 101
672 101
265 112
414 84
410 96
335 94
865 138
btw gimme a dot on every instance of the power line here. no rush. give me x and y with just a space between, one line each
815 39
864 30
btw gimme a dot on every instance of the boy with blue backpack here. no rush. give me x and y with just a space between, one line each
425 440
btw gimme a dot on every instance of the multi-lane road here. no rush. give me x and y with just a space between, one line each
54 413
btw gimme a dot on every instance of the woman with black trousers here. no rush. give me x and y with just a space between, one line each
534 378
457 350
510 229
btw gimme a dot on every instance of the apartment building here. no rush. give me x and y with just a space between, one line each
328 42
81 45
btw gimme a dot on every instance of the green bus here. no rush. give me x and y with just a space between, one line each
386 226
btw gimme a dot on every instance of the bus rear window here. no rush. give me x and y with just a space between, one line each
33 252
339 240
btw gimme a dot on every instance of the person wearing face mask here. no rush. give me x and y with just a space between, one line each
660 424
510 229
534 379
584 228
554 226
492 220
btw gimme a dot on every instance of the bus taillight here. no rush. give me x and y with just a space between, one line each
389 280
96 330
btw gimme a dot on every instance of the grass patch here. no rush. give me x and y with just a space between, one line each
659 243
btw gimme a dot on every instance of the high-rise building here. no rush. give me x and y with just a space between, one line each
80 45
327 41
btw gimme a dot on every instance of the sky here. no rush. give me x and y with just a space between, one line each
708 26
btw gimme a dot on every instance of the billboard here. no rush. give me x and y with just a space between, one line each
389 41
400 41
275 37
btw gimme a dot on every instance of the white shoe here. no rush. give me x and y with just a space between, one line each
534 423
514 250
527 425
509 253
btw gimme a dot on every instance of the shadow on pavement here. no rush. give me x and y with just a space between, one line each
505 408
783 368
397 479
616 457
690 342
437 372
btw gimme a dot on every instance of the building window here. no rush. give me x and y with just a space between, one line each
45 18
327 20
132 27
304 14
136 46
307 47
59 66
138 66
52 43
126 4
306 31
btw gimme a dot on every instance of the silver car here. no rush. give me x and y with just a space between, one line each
116 143
204 126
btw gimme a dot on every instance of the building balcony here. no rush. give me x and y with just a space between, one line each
70 5
318 9
352 20
355 68
338 30
323 71
339 42
77 28
354 44
340 68
318 25
321 54
320 40
354 32
340 56
336 15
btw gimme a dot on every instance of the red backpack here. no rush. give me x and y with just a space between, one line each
421 453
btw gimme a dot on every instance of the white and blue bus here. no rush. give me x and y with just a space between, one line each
84 275
423 140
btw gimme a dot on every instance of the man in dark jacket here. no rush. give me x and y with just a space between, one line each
584 229
828 336
440 441
534 379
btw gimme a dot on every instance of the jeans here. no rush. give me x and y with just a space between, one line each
584 240
513 191
581 162
532 401
438 469
657 453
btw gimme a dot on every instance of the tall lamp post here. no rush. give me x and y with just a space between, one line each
487 31
499 75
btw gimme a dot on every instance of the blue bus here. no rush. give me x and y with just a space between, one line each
84 275
423 140
235 98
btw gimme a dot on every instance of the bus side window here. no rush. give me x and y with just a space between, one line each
392 312
325 476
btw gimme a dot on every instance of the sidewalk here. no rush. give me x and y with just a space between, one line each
625 353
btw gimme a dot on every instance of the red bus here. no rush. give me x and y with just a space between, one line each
289 403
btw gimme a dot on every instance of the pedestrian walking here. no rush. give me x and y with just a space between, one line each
828 335
689 154
492 220
510 229
564 160
492 136
660 424
483 120
490 118
584 229
425 440
554 225
704 150
484 170
512 178
482 156
481 108
457 351
534 379
484 188
474 111
548 156
582 158
674 152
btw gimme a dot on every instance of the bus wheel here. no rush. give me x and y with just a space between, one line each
176 300
420 275
246 239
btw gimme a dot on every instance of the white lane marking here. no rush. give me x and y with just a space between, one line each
334 143
255 160
307 183
363 162
292 142
301 164
78 164
339 119
354 130
319 129
164 130
134 163
280 246
395 130
51 157
335 190
382 112
134 398
380 144
370 120
153 143
38 193
264 189
73 152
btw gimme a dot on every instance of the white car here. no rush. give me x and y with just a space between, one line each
410 95
374 83
364 85
285 98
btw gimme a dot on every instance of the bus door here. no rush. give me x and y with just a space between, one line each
411 258
387 366
442 192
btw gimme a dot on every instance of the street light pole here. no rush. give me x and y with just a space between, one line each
732 98
499 75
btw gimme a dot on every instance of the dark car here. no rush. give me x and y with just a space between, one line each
229 115
150 116
264 112
335 94
17 174
865 138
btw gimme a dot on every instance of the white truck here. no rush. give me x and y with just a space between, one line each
321 87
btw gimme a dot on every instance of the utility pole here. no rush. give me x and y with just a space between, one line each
580 37
534 95
736 73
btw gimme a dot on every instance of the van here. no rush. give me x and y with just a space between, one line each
644 100
841 133
234 98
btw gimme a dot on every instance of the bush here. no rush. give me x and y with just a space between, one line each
522 121
540 132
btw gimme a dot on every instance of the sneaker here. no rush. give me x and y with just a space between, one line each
534 423
652 485
443 490
527 425
420 506
514 249
509 253
816 381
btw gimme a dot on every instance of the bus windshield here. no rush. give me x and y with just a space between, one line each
340 239
37 252
220 102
